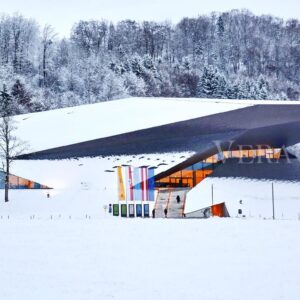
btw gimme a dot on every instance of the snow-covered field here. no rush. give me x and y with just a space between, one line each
112 258
80 186
256 197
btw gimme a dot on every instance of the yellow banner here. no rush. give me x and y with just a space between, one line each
121 185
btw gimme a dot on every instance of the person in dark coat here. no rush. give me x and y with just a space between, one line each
178 199
166 212
153 213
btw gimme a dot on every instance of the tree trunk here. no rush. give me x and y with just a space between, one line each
7 162
6 181
6 188
44 65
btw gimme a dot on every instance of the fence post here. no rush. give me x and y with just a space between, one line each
212 194
273 200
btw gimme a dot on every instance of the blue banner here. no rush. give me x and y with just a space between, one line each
151 184
137 187
139 210
146 211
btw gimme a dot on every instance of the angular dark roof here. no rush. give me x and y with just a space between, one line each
267 169
274 125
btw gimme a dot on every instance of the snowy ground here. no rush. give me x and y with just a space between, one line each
256 197
82 187
113 258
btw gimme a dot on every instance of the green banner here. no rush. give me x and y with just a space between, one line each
124 210
116 211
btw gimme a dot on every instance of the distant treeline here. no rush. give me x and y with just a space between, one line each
227 55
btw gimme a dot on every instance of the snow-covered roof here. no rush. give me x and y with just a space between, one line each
50 129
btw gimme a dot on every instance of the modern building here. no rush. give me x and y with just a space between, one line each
16 182
196 142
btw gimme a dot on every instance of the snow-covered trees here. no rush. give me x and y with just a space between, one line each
21 97
227 55
212 84
46 57
134 86
19 39
7 107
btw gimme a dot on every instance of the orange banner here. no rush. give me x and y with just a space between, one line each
121 188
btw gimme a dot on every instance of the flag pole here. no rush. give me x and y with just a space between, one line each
132 189
142 191
119 191
212 194
273 200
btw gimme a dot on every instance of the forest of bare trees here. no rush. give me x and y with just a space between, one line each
228 55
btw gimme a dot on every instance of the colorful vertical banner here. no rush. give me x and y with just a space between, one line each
139 210
129 183
121 189
146 211
131 210
144 177
124 210
137 188
151 184
116 210
142 184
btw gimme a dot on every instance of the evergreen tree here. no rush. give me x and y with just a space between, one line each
222 87
233 92
253 92
186 63
148 63
263 88
21 97
244 90
6 103
187 83
220 26
212 84
207 86
137 66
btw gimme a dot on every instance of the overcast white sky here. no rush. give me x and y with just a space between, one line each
61 14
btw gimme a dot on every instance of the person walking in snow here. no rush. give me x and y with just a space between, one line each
178 199
153 213
166 212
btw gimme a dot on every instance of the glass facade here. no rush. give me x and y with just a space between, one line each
194 174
